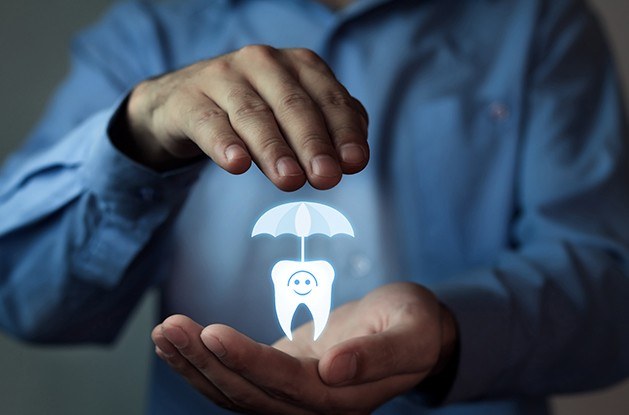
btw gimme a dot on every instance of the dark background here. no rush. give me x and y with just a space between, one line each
34 38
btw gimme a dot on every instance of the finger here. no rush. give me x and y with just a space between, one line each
253 119
398 351
276 372
298 116
182 366
345 117
208 126
294 380
184 333
166 351
161 342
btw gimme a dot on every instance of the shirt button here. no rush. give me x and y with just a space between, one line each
498 111
360 265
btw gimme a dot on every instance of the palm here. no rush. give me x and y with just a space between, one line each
388 306
337 331
371 351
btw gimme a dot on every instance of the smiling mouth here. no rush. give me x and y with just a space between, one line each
298 293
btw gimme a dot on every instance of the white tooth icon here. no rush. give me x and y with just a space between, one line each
303 282
308 283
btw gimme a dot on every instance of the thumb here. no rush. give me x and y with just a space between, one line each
396 351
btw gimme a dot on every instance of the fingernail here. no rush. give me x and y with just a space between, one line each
162 354
215 345
343 368
324 165
165 346
176 336
353 154
235 152
287 166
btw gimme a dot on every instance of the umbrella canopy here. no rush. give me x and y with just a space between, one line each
303 219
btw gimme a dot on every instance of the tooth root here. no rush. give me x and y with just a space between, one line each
285 311
320 318
286 327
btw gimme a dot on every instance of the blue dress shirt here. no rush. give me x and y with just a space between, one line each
499 179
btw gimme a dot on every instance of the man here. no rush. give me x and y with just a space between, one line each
489 268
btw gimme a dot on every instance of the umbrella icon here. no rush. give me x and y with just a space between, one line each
303 219
305 282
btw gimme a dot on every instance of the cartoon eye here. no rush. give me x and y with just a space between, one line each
307 282
296 282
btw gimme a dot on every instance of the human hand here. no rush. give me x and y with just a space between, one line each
281 108
371 351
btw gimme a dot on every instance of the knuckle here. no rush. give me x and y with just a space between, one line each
252 109
312 143
247 104
239 94
336 99
220 140
310 58
218 66
307 55
147 97
205 119
345 134
272 148
294 101
258 52
209 116
143 88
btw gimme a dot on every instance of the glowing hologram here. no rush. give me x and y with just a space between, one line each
308 283
303 282
303 219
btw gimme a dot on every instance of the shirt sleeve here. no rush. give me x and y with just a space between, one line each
78 217
551 315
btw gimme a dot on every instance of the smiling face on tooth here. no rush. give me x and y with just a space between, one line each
302 283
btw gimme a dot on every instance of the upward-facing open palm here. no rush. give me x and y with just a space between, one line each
371 351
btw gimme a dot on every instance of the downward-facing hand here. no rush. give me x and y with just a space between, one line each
282 108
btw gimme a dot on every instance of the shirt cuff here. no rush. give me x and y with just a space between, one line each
129 203
128 187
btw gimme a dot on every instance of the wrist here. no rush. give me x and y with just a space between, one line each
449 341
436 386
132 138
